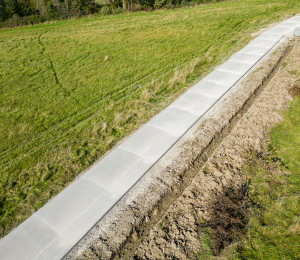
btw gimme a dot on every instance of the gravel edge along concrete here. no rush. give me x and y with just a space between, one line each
125 226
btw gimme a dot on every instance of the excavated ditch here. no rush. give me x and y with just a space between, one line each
163 221
177 234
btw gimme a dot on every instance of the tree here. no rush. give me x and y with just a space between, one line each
2 11
9 8
26 7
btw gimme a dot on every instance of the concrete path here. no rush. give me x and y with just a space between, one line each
52 231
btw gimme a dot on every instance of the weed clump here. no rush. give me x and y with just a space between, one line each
227 217
295 90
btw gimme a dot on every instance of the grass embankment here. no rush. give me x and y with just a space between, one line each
71 90
273 231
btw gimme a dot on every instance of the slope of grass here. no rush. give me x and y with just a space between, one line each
71 90
273 230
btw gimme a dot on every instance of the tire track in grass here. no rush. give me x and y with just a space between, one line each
53 68
56 139
40 135
92 114
51 63
186 58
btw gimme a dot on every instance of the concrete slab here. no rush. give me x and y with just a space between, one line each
280 30
107 172
174 121
209 89
20 245
223 78
245 58
86 219
255 50
118 177
269 36
291 24
235 67
51 244
63 213
150 143
294 19
193 103
126 182
262 43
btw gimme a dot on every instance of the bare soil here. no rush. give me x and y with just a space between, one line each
177 235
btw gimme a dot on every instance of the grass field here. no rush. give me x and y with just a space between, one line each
71 90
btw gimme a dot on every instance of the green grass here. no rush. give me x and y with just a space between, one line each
63 103
207 244
273 231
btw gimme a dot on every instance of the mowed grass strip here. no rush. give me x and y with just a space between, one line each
71 90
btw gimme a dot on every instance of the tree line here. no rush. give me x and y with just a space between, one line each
25 12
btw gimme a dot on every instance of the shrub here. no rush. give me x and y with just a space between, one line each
148 8
169 5
105 10
33 19
15 20
183 3
117 10
160 3
137 8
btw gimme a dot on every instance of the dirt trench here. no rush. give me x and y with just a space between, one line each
160 218
177 234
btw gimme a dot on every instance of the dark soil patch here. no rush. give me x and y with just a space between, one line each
228 216
295 90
